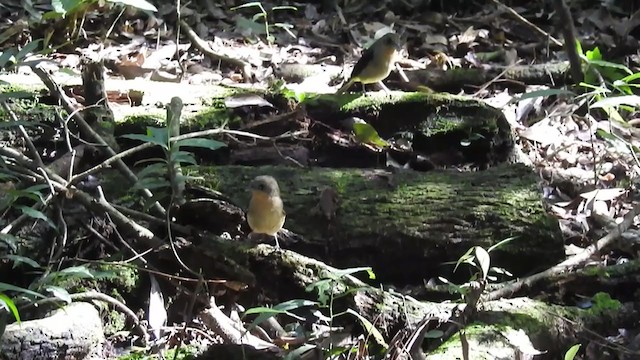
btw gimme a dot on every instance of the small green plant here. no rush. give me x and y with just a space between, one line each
265 29
48 282
479 257
15 199
598 72
12 57
156 176
327 290
64 8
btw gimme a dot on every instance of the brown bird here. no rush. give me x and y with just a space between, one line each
266 211
376 62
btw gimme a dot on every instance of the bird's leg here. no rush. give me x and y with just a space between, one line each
275 237
384 87
364 89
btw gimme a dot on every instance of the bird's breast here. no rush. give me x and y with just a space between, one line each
266 215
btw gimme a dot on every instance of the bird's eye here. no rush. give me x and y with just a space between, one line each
261 187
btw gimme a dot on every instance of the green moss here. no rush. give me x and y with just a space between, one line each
124 278
602 303
185 352
212 118
143 120
113 321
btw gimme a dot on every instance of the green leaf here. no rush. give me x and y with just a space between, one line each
572 352
284 7
368 326
631 77
10 95
151 183
30 47
606 135
594 54
244 23
365 133
7 303
4 287
138 4
59 293
157 169
77 271
182 157
266 313
10 240
6 176
607 64
264 310
484 260
503 242
201 143
323 287
282 307
65 6
464 258
299 351
36 214
632 100
17 260
158 136
158 196
294 304
7 56
579 47
249 4
434 334
342 272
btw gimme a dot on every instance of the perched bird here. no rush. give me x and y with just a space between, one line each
376 62
266 211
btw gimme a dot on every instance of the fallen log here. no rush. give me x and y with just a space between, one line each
407 224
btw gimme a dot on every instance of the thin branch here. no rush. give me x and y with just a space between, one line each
566 265
528 23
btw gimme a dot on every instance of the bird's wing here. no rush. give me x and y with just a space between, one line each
365 59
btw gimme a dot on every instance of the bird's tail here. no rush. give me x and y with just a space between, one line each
344 87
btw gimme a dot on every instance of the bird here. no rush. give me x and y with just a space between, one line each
376 62
266 213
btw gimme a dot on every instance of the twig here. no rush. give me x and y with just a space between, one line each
23 132
230 331
85 199
483 87
528 23
135 149
64 100
204 47
565 22
150 271
276 118
187 230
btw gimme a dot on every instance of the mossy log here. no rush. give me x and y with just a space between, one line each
503 329
446 129
407 224
454 80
